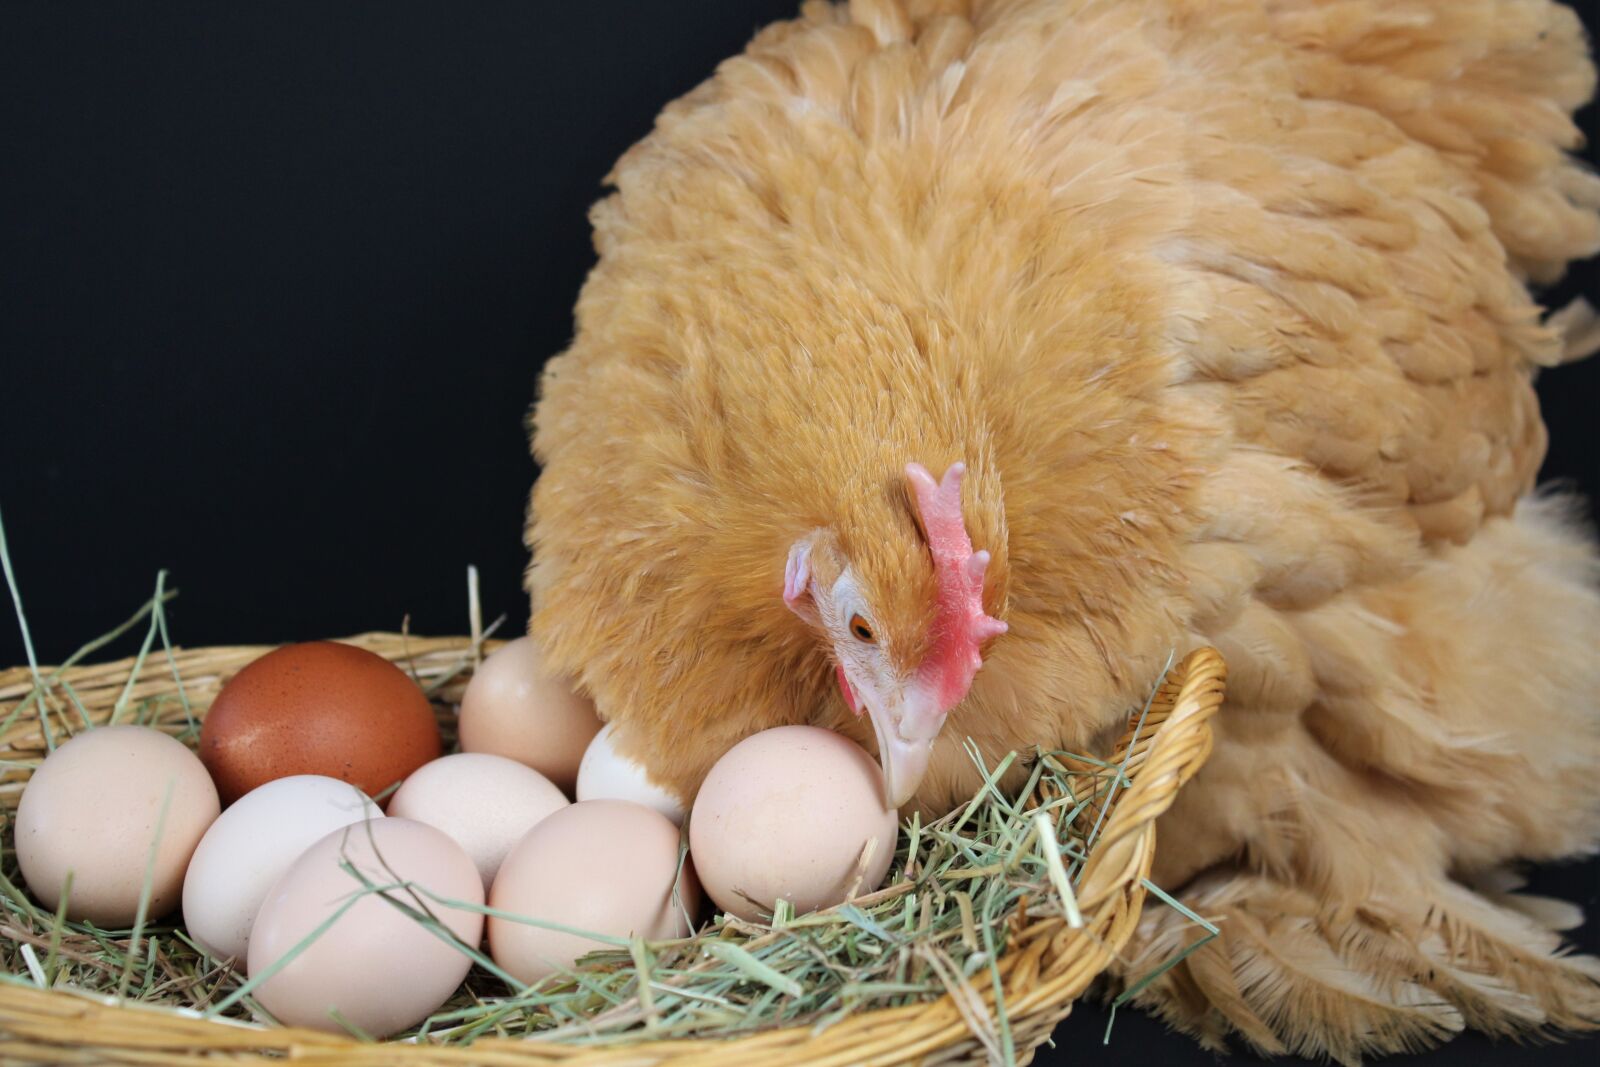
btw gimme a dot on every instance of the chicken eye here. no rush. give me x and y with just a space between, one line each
860 629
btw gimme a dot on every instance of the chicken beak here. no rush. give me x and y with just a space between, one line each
906 726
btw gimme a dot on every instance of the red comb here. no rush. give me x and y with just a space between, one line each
961 625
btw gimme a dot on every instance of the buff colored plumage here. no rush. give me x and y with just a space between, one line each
1223 303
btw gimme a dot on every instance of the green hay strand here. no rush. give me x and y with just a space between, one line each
146 888
144 649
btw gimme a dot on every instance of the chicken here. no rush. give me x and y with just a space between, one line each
954 364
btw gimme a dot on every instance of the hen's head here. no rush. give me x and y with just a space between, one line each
906 679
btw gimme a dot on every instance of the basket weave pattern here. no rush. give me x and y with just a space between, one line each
1045 966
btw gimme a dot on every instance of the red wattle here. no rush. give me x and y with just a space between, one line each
847 689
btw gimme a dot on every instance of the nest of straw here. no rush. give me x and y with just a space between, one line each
993 920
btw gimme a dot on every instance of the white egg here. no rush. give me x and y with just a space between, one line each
249 848
485 803
606 774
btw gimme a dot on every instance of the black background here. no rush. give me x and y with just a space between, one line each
275 284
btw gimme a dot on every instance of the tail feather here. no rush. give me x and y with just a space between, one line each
1491 84
1489 1003
1400 973
1578 326
1213 971
1496 940
1320 1004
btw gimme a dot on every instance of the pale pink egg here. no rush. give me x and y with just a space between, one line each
599 866
513 708
788 814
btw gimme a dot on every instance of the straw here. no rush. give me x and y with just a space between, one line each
944 929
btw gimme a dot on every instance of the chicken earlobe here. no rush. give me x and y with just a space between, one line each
797 581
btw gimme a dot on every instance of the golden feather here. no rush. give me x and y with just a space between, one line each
1224 305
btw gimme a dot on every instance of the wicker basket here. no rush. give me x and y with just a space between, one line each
1046 964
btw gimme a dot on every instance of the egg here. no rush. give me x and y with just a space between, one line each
602 866
93 808
485 803
249 848
512 708
786 815
375 966
606 774
318 708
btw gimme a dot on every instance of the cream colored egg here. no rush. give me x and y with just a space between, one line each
249 848
606 774
787 814
601 866
512 708
376 966
94 808
485 803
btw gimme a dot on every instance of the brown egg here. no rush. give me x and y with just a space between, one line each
318 708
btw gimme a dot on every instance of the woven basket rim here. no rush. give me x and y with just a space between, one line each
1045 967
